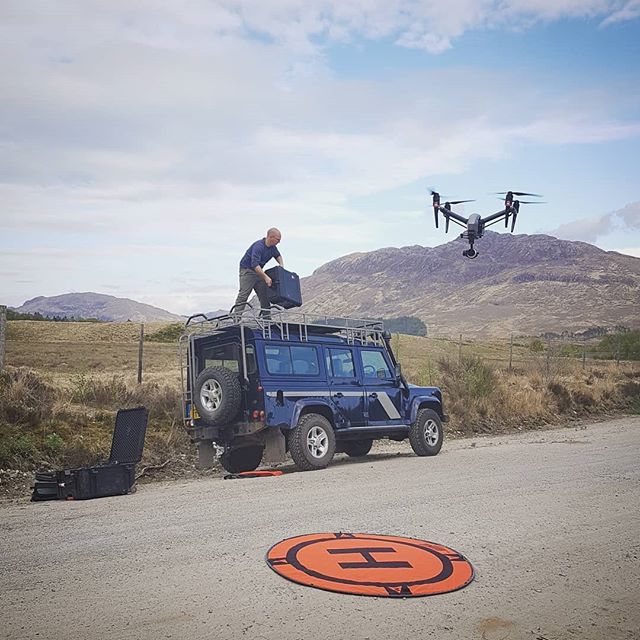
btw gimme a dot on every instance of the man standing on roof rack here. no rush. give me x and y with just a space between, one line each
252 275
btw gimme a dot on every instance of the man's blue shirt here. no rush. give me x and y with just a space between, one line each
258 254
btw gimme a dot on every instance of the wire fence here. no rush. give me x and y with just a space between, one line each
548 357
564 352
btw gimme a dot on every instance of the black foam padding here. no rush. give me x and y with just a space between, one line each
128 436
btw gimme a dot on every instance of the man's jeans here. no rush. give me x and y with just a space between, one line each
251 281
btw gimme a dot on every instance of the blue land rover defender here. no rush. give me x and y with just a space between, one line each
255 388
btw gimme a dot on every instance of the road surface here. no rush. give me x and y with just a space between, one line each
549 519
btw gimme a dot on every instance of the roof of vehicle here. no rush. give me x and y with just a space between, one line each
290 326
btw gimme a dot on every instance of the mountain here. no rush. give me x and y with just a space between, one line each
526 284
96 305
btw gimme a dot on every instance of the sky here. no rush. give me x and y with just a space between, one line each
145 145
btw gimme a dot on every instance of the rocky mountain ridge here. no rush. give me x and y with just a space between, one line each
96 305
526 284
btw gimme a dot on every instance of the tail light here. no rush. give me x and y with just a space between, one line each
262 415
256 414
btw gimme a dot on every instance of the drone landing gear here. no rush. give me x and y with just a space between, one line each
470 253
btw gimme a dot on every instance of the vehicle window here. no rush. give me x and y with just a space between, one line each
340 363
305 361
278 360
374 365
252 366
222 355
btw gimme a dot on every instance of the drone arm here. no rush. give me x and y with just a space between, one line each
456 217
458 222
498 215
488 224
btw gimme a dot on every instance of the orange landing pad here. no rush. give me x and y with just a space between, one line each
370 565
252 474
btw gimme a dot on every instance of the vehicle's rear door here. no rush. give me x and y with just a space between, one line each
347 392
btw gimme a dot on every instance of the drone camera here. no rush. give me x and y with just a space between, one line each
470 253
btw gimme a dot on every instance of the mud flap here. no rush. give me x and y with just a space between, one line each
275 449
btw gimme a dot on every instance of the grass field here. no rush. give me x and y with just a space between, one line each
64 381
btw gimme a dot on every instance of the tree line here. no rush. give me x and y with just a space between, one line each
15 315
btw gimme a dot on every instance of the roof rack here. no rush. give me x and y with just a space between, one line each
288 324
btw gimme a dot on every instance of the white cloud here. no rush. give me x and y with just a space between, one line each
628 11
593 228
630 251
630 215
68 26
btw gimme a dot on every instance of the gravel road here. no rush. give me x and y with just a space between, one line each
549 519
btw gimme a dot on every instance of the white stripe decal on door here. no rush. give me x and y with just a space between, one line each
388 406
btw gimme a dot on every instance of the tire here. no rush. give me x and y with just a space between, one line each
312 443
243 459
357 448
425 434
217 395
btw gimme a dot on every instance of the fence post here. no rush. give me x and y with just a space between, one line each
3 325
460 350
584 352
140 344
548 355
511 354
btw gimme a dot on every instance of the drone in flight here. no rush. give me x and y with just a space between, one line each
475 224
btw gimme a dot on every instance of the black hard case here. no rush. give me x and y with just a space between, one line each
116 477
96 482
285 289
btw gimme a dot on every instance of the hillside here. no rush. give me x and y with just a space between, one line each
526 284
96 305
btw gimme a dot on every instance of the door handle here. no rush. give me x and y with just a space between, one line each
339 394
373 395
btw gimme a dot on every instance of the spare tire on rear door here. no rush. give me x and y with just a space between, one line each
217 395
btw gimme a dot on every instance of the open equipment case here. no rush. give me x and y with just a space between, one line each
115 477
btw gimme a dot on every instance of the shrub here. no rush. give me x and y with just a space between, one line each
17 449
53 444
409 325
536 346
97 392
571 351
25 399
170 333
561 395
624 345
479 379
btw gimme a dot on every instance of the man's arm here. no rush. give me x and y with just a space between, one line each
280 261
255 265
260 271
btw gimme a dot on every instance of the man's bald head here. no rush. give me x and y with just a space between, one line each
273 237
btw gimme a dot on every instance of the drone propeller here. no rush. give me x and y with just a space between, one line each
460 201
517 193
527 201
